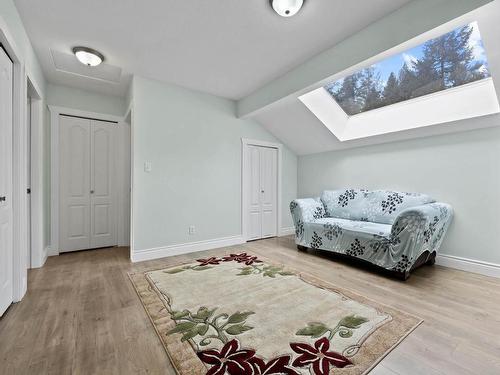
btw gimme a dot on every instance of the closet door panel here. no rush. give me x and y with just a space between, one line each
102 198
268 178
6 252
74 183
255 212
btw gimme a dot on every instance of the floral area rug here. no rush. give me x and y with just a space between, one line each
240 315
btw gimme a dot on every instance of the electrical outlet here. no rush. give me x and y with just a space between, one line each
148 166
192 229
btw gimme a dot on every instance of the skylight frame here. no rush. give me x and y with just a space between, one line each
401 50
349 128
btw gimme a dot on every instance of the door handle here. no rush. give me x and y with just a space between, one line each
91 191
3 199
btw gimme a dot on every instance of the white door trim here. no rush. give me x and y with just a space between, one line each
129 115
244 190
55 112
38 251
19 155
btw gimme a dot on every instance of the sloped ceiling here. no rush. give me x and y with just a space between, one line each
293 124
277 107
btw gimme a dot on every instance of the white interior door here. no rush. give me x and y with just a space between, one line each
268 187
28 179
6 265
102 193
254 206
262 169
74 183
87 216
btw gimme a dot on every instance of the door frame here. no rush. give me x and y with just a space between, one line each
21 75
37 247
245 142
55 112
124 238
129 120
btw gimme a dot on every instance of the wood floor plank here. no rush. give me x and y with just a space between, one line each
82 315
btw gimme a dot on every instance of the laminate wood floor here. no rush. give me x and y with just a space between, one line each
81 315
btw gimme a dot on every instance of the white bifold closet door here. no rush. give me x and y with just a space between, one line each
6 252
87 213
263 180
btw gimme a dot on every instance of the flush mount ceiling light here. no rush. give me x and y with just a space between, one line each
88 56
287 8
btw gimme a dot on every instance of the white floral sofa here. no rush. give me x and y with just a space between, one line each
393 230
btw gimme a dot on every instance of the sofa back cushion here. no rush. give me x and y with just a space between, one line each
377 206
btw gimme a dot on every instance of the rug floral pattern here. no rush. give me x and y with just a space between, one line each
241 315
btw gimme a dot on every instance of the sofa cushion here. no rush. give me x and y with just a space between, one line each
344 204
378 206
384 206
356 226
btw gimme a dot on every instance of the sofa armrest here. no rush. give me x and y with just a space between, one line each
305 211
426 223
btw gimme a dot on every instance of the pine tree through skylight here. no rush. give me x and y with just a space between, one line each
451 60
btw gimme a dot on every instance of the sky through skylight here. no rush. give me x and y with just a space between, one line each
451 60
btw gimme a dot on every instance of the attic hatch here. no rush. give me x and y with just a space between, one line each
442 78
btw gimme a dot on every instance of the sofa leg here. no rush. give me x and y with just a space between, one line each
405 275
432 260
301 248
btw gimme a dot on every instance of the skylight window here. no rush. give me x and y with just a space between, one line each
451 60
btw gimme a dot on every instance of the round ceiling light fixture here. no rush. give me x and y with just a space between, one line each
287 8
88 56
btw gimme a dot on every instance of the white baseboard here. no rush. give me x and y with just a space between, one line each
43 259
287 231
470 265
190 247
45 255
51 252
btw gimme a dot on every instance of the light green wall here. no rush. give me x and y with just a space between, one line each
460 169
69 97
194 143
10 17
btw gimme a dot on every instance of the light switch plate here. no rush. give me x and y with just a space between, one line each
148 166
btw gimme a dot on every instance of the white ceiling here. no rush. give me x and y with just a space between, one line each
228 48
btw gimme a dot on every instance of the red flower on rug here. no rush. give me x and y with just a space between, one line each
208 261
242 258
231 359
278 365
319 356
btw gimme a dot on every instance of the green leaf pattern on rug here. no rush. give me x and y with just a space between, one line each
344 328
203 323
195 267
269 271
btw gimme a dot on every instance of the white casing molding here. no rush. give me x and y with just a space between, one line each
55 112
469 265
38 251
243 178
19 163
190 247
